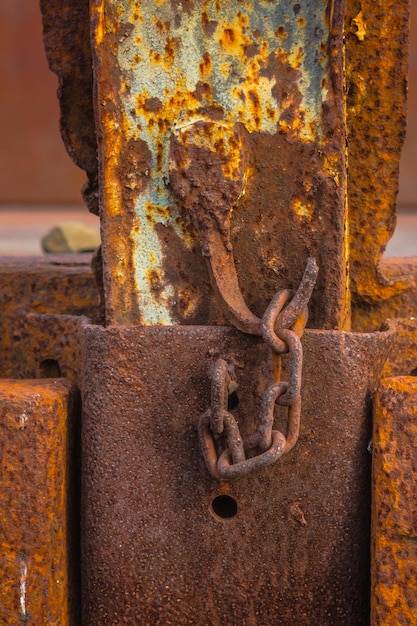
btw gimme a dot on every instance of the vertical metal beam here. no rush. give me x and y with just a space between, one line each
266 75
376 81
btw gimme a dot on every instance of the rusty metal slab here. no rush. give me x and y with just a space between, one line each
376 81
394 504
164 543
53 284
253 92
41 346
367 316
38 527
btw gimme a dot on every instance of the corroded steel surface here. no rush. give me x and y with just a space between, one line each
402 359
264 76
288 544
43 301
376 80
52 284
66 32
41 346
37 523
367 317
394 508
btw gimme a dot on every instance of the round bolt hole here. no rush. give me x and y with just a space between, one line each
49 368
224 506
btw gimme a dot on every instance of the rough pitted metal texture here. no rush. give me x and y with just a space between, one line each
155 552
394 507
38 520
43 301
59 284
367 316
376 104
41 346
402 359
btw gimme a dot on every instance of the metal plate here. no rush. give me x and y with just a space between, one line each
154 549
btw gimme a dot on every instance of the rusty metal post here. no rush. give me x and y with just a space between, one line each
233 110
221 144
40 577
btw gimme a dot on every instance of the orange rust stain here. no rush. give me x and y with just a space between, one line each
154 278
205 66
153 210
271 113
232 37
303 209
155 57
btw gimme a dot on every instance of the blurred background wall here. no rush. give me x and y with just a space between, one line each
34 167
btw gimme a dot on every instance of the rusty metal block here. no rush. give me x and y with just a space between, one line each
41 346
52 284
43 300
38 526
165 543
394 504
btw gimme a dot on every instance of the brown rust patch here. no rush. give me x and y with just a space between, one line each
205 66
207 173
184 268
402 360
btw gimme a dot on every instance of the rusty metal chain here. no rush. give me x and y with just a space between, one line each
281 327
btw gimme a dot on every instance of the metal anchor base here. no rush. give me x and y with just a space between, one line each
164 542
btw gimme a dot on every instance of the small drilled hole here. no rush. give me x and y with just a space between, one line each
233 401
224 506
414 372
49 368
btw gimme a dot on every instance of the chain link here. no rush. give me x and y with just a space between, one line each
281 327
